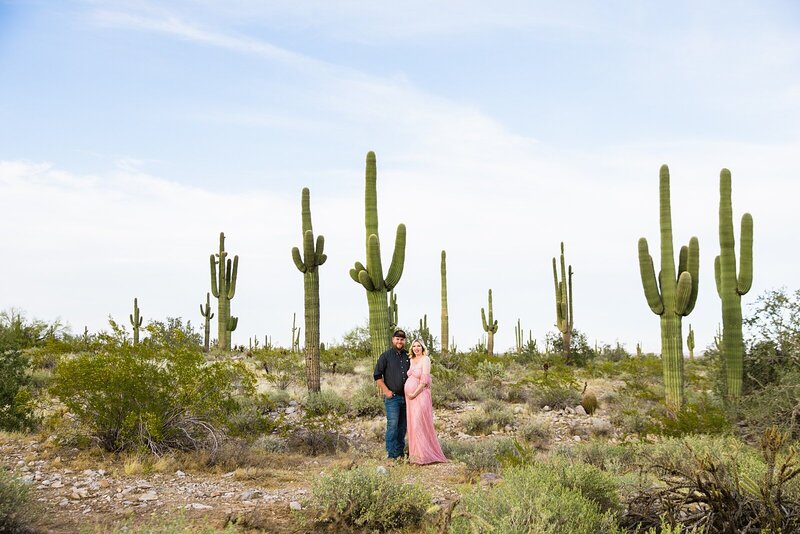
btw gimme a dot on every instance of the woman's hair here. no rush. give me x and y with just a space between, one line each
424 347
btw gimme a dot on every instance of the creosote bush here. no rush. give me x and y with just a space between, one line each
493 415
16 511
536 498
480 455
366 401
158 395
361 497
325 402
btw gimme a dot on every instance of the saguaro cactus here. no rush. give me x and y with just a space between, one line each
295 334
223 287
690 342
233 322
677 296
136 321
490 326
519 336
313 257
371 277
445 315
393 318
425 332
207 316
729 287
564 318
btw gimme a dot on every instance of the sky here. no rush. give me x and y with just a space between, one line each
133 132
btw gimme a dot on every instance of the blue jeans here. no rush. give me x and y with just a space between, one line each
395 426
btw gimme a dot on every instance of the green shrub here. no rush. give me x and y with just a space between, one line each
480 455
16 510
253 417
701 416
159 394
337 361
493 415
556 397
282 367
470 391
534 498
16 400
362 497
367 401
555 386
489 371
316 439
325 402
537 432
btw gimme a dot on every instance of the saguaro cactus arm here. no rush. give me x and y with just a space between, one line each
648 275
398 258
745 280
231 281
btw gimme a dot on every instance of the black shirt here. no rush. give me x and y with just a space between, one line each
393 367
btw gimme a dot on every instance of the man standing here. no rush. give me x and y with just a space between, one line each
390 374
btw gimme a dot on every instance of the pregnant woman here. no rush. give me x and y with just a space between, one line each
423 445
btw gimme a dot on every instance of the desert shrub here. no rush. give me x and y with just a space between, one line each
480 455
323 403
367 401
493 415
470 391
16 400
252 417
580 352
159 394
278 398
734 487
554 386
361 497
16 510
532 498
282 367
315 440
537 432
697 416
617 459
489 371
337 361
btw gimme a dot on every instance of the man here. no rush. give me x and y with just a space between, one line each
390 374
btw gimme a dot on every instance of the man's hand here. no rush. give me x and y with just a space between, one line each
388 394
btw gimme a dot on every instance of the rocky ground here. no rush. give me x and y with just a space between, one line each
94 491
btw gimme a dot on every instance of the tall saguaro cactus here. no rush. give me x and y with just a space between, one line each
677 295
490 326
313 257
371 277
223 287
393 317
730 287
445 315
207 316
136 321
564 317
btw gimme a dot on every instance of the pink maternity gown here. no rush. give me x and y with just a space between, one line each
423 445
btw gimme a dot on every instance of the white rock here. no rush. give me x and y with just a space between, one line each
518 409
291 410
57 484
180 474
382 470
576 438
296 506
547 408
198 506
580 410
149 496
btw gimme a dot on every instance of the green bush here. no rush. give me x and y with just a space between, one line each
337 361
16 400
493 415
480 455
252 417
534 498
367 401
16 511
470 391
554 386
361 497
701 416
159 394
537 432
282 367
325 402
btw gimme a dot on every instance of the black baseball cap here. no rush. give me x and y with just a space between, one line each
399 333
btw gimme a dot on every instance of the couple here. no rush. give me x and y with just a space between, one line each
405 383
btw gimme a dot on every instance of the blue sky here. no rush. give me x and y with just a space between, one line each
133 132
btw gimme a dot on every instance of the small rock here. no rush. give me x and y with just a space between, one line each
57 484
569 410
104 483
296 506
382 470
292 403
576 438
198 506
149 496
180 474
518 409
546 408
143 484
291 410
249 495
63 502
580 410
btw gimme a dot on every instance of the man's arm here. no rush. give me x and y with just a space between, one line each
380 369
386 391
